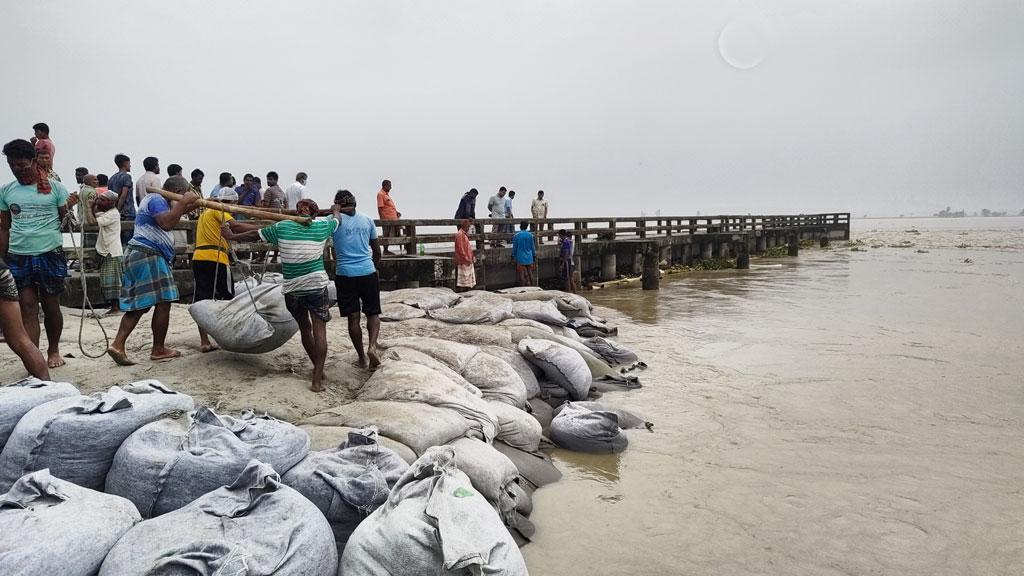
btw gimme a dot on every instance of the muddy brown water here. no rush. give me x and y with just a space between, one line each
844 412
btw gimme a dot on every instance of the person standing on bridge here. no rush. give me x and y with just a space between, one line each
509 228
539 211
32 208
387 210
295 192
496 210
150 179
465 270
565 263
358 255
524 255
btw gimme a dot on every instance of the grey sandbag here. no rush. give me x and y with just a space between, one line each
52 527
473 311
535 467
562 365
329 437
433 523
76 437
496 379
472 334
348 482
583 430
543 312
257 525
418 426
527 371
627 419
426 298
589 327
572 305
516 427
409 382
453 354
17 398
519 289
397 312
514 322
599 369
415 356
255 321
490 472
610 351
168 463
543 413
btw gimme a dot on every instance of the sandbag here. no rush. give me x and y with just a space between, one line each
265 278
626 419
583 430
417 357
526 371
543 413
472 334
516 427
489 471
52 527
433 523
17 398
572 305
426 298
599 369
257 525
397 312
543 312
453 354
76 437
169 463
474 312
408 382
496 379
513 322
535 467
610 351
562 365
519 289
418 426
239 326
347 482
329 437
590 327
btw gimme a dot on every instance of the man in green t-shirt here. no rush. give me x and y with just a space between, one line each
305 279
31 210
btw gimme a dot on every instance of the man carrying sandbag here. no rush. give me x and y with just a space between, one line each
305 280
358 250
210 261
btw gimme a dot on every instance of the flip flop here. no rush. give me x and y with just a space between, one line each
119 358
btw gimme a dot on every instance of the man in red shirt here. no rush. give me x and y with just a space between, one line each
465 273
387 211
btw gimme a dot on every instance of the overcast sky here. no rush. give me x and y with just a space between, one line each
874 106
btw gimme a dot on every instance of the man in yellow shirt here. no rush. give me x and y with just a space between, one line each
210 260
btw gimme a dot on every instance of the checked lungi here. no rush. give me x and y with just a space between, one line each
110 277
147 280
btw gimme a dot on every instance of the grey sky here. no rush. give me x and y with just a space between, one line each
611 107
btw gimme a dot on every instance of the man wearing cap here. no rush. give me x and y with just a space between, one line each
108 246
358 254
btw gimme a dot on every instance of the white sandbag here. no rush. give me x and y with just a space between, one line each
266 278
516 427
543 312
572 305
474 312
472 334
610 351
349 481
434 523
519 289
418 426
535 467
454 354
513 322
426 298
408 382
171 462
237 325
397 312
626 420
496 379
562 365
526 371
257 525
417 357
329 437
599 369
17 398
489 471
583 430
52 527
482 296
76 437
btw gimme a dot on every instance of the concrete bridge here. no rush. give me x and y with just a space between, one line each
604 247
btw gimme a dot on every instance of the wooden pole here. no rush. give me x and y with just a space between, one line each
233 208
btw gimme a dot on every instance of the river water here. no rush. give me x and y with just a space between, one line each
843 412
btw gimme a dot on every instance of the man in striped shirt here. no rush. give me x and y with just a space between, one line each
305 279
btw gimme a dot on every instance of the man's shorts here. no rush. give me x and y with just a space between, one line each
206 273
355 289
45 272
8 287
318 304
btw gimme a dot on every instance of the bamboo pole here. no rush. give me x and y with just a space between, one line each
233 208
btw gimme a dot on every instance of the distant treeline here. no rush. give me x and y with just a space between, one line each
985 213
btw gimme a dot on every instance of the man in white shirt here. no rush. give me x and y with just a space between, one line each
148 180
539 211
295 192
108 247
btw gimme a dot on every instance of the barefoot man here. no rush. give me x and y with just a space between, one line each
210 260
31 210
305 280
147 281
358 254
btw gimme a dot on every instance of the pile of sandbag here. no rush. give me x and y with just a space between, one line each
171 462
17 398
591 427
415 425
257 525
434 522
253 322
426 298
76 437
50 526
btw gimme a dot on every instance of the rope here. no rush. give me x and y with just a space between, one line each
85 289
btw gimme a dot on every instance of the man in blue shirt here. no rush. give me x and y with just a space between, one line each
523 254
357 252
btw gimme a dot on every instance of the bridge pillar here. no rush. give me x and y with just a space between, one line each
743 256
794 244
705 251
823 241
577 274
771 241
608 267
652 275
723 250
761 244
687 256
